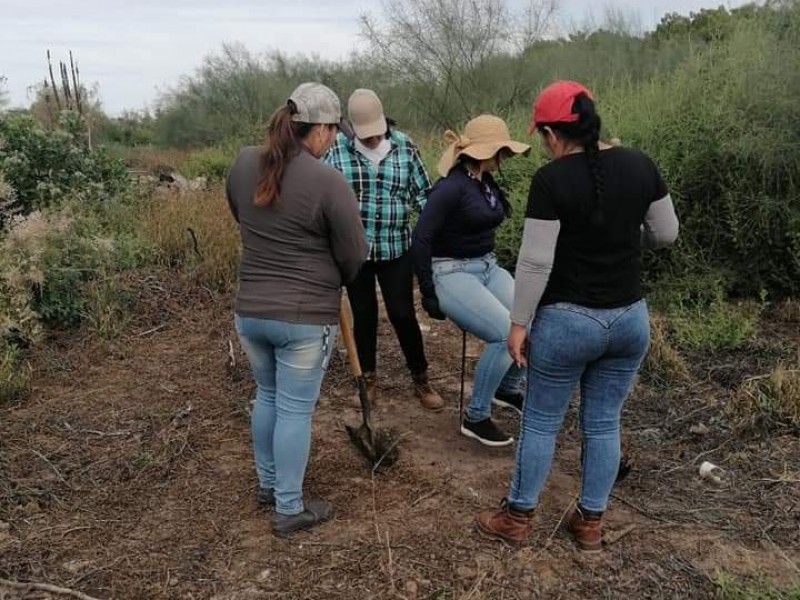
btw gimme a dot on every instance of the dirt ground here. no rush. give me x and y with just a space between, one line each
128 474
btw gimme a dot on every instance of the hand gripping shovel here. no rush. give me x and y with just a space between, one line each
379 447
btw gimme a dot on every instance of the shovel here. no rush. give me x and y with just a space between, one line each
378 447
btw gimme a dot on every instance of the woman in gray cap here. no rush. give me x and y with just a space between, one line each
302 239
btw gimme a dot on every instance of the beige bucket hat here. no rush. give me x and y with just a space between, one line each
483 137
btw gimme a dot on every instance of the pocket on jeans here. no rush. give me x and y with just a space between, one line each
329 333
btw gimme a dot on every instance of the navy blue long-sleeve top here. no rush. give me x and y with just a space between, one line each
458 221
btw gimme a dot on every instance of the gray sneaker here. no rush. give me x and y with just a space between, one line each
316 511
265 497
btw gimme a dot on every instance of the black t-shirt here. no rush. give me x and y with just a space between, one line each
596 265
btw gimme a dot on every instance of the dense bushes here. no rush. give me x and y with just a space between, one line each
44 166
712 97
723 129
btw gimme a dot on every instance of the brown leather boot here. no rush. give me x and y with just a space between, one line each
585 527
507 524
427 396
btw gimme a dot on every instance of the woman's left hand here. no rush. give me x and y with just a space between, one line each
517 344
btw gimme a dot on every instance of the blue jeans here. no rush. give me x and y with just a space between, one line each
477 294
602 350
288 361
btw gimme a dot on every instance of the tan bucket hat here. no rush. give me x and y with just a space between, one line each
483 137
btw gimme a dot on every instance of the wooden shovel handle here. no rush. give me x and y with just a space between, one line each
346 330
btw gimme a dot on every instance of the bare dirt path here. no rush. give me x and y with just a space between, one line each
128 474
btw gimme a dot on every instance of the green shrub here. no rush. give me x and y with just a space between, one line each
71 258
108 306
719 325
47 166
730 587
212 163
58 267
699 315
15 373
9 205
722 128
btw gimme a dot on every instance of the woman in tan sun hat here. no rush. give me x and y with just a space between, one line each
458 273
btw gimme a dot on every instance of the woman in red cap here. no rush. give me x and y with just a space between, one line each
590 212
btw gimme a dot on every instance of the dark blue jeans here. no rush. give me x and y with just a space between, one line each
602 350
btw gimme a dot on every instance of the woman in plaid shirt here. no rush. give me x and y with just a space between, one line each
385 170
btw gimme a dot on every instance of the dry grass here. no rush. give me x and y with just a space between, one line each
155 160
788 311
768 403
664 364
15 374
194 231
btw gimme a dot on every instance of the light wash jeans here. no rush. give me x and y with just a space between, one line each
288 361
477 294
602 350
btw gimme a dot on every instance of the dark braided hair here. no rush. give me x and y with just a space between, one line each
586 133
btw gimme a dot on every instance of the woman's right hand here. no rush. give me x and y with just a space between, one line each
431 306
517 344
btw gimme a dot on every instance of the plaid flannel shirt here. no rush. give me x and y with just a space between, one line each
385 196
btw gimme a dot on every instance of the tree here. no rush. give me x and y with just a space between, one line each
442 48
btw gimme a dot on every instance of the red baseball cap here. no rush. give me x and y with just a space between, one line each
554 104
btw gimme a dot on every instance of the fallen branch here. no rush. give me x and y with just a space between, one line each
52 466
195 244
614 536
557 527
152 330
44 587
476 587
640 510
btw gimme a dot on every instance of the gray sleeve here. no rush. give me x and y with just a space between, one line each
660 227
534 264
347 237
231 202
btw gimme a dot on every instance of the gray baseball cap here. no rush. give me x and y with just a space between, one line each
316 103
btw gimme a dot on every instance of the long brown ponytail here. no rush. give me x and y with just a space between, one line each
282 143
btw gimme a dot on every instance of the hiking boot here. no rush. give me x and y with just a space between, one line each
486 432
316 511
265 497
512 400
585 527
427 396
508 524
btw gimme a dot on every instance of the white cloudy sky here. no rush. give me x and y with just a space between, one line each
134 48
